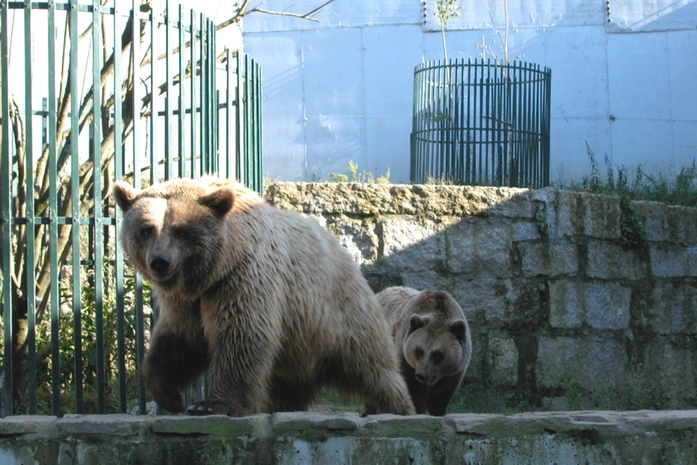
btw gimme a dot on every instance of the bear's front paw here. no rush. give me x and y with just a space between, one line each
214 407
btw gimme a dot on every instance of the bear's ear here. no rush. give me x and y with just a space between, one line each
219 201
416 322
124 195
459 329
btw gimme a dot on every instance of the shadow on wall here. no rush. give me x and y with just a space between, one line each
563 314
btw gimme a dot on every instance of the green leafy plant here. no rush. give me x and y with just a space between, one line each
639 186
89 349
544 229
363 177
445 11
632 229
572 393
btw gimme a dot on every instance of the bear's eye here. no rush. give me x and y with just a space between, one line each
146 231
437 357
418 352
182 233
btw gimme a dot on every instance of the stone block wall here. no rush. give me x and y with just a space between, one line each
345 438
555 297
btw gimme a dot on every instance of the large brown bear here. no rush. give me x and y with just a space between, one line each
266 298
431 333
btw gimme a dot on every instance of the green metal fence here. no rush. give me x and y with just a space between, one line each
113 91
481 122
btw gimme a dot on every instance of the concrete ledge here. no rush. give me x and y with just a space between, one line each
596 437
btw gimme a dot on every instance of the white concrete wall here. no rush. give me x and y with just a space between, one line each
624 75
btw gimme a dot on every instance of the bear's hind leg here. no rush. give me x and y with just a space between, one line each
370 369
386 392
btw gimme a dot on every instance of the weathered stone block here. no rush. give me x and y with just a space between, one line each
674 309
673 262
475 372
484 298
503 361
682 225
653 218
600 305
357 236
371 199
511 203
414 244
298 422
594 364
609 260
580 213
475 247
223 425
553 259
429 280
116 424
668 368
25 424
525 231
469 246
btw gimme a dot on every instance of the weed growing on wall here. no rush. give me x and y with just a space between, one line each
544 229
632 229
640 185
363 177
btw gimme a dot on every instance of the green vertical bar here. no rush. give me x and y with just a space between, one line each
214 129
181 133
135 102
230 160
240 148
249 123
205 98
248 134
258 129
7 258
169 99
97 195
31 245
546 123
53 211
75 196
155 155
210 97
118 248
194 93
155 73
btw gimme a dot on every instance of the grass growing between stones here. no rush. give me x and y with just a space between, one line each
617 180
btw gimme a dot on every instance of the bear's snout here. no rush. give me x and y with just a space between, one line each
427 375
160 264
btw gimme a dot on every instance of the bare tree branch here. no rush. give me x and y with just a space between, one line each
242 12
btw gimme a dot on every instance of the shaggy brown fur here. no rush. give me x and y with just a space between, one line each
266 298
431 332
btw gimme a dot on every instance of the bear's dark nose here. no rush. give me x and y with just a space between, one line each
159 263
420 377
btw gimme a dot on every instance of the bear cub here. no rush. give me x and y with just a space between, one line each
266 298
433 338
